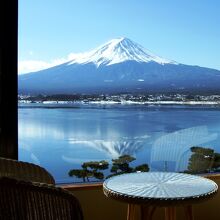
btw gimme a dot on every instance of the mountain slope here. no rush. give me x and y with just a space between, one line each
120 65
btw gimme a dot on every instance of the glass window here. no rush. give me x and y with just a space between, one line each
94 101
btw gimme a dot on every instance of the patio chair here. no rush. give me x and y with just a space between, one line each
22 200
24 171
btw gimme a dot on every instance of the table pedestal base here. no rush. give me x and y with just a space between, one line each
131 212
189 212
148 211
170 213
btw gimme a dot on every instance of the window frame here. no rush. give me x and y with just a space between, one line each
8 79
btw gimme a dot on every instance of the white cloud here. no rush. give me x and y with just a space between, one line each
27 66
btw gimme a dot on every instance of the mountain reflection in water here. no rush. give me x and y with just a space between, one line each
115 148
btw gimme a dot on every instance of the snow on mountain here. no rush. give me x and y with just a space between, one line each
117 51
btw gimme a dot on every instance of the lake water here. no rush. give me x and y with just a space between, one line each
62 137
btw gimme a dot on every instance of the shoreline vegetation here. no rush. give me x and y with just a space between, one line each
123 99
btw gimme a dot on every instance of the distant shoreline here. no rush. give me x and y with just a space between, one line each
125 102
158 103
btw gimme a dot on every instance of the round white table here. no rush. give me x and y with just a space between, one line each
153 189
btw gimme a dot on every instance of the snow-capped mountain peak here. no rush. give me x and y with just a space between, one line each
117 51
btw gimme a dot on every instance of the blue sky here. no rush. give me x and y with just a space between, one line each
185 31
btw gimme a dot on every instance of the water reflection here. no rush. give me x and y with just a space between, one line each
169 152
203 160
37 129
115 148
64 139
174 148
27 154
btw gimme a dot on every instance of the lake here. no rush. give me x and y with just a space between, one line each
61 137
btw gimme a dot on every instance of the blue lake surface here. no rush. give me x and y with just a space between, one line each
62 137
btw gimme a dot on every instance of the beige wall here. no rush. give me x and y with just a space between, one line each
97 207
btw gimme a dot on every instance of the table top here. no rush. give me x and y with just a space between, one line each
162 187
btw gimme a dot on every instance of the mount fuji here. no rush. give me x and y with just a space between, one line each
120 66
